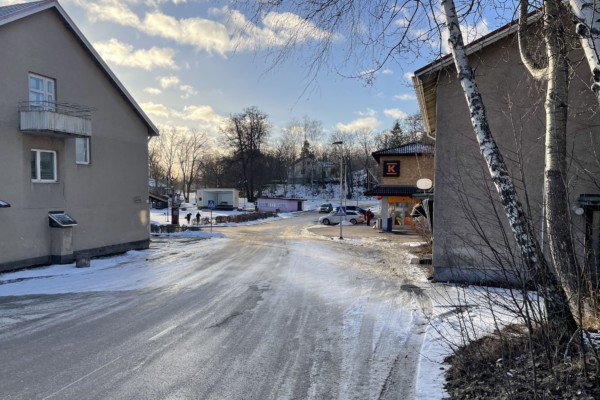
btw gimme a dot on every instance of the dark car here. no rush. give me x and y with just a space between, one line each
325 208
357 209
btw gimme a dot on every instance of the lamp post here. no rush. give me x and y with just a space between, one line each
340 143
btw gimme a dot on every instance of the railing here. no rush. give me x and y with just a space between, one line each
73 110
55 118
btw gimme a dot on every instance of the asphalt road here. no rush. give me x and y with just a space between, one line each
273 311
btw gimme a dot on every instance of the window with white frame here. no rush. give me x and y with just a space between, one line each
42 92
43 166
82 150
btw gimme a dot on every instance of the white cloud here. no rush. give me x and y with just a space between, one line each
110 10
168 81
233 31
155 109
368 113
200 113
360 124
203 116
408 76
395 113
187 91
405 97
387 71
119 53
152 91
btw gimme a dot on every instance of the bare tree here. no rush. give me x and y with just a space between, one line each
165 154
189 151
155 168
212 170
244 134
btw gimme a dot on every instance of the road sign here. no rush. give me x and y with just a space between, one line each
211 204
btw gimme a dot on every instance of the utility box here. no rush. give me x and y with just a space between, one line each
61 236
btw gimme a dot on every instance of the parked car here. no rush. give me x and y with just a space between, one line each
356 208
325 208
354 217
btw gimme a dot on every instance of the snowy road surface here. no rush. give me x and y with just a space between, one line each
269 311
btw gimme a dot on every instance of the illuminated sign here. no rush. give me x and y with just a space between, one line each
391 168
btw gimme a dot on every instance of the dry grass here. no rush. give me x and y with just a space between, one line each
506 366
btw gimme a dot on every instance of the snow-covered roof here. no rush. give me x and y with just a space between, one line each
16 12
409 148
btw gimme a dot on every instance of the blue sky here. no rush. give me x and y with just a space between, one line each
191 63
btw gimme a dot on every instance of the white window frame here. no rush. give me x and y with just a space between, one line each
87 151
48 93
38 172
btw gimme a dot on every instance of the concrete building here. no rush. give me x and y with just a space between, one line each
472 240
74 156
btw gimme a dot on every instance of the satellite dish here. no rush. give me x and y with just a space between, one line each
424 184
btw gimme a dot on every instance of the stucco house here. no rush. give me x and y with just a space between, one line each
399 170
74 156
472 241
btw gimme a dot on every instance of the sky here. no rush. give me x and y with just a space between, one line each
183 63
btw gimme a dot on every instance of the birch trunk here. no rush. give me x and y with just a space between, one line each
559 315
588 27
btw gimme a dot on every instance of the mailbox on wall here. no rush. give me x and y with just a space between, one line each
60 219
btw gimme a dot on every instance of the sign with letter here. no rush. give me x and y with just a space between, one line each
391 168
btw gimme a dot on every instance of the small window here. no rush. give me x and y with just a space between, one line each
42 93
82 150
43 166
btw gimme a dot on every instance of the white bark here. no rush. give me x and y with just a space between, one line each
587 13
487 144
560 318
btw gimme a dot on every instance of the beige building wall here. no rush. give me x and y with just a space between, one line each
412 168
469 221
108 197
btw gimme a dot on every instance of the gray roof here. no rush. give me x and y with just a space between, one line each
407 149
8 11
15 12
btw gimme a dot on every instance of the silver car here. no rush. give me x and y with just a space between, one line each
333 218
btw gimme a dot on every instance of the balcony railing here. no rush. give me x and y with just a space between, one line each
44 117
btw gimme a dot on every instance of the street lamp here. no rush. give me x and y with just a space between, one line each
340 143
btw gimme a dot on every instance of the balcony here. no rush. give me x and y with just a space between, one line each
55 119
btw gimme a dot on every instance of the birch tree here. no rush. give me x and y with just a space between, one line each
559 313
586 13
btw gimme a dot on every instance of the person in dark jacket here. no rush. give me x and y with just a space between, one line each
369 215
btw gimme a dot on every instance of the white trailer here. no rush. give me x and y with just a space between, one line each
219 199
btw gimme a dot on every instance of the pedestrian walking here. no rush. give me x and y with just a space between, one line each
198 218
188 217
